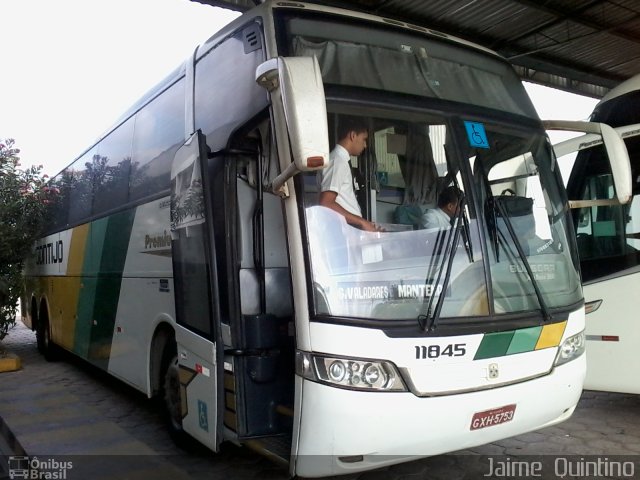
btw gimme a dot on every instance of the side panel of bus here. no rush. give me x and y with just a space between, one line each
608 237
613 362
89 281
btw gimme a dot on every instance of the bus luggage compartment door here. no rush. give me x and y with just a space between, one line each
198 392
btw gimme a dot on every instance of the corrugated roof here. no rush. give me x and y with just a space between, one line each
583 46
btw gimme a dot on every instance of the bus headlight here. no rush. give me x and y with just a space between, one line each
571 349
352 373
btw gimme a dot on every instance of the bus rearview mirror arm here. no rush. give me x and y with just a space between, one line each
615 147
300 113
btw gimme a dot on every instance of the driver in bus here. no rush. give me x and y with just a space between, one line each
337 189
447 206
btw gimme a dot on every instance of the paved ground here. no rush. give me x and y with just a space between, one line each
73 412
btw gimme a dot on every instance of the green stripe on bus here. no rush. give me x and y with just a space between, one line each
109 281
494 345
519 341
105 255
524 340
88 286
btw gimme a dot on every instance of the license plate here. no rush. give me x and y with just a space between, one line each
492 417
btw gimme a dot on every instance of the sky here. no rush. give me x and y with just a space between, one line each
554 104
70 68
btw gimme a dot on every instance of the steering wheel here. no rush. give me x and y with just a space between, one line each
508 190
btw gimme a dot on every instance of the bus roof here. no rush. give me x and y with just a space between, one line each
625 87
259 10
278 4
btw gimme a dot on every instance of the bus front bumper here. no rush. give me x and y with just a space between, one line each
345 431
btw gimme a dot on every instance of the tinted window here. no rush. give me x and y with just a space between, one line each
226 91
58 208
81 184
190 240
111 169
159 132
393 61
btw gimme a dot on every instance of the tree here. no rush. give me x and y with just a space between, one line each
23 199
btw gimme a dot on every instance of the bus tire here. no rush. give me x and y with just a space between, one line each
35 324
43 338
173 404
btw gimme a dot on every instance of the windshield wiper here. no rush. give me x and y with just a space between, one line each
429 321
467 235
536 286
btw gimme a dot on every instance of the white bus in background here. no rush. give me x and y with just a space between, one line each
186 253
608 237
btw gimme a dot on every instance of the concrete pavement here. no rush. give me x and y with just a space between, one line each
47 414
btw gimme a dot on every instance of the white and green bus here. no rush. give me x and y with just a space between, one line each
608 233
187 255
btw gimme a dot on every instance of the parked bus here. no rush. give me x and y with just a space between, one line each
608 237
187 254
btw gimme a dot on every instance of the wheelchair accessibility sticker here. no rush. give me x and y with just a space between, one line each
476 134
202 416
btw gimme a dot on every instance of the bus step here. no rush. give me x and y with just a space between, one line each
284 410
276 448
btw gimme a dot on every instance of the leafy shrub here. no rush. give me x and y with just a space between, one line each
23 199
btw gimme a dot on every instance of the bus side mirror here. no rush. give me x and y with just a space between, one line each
297 93
613 144
598 134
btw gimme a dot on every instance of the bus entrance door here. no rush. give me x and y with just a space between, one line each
193 276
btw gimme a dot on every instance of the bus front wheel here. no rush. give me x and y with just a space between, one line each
173 404
172 395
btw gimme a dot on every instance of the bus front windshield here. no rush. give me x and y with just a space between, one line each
503 250
441 116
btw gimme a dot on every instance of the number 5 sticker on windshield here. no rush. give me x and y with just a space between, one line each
476 134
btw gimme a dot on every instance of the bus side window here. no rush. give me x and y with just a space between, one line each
81 188
159 133
58 208
111 167
231 67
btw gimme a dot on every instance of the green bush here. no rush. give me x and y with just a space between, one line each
23 199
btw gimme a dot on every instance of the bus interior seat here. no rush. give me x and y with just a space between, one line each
408 215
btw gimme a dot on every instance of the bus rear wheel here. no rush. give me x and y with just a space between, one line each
43 339
35 321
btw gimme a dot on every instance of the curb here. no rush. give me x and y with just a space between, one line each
9 362
9 444
9 447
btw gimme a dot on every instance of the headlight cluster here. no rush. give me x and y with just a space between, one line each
571 349
357 374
